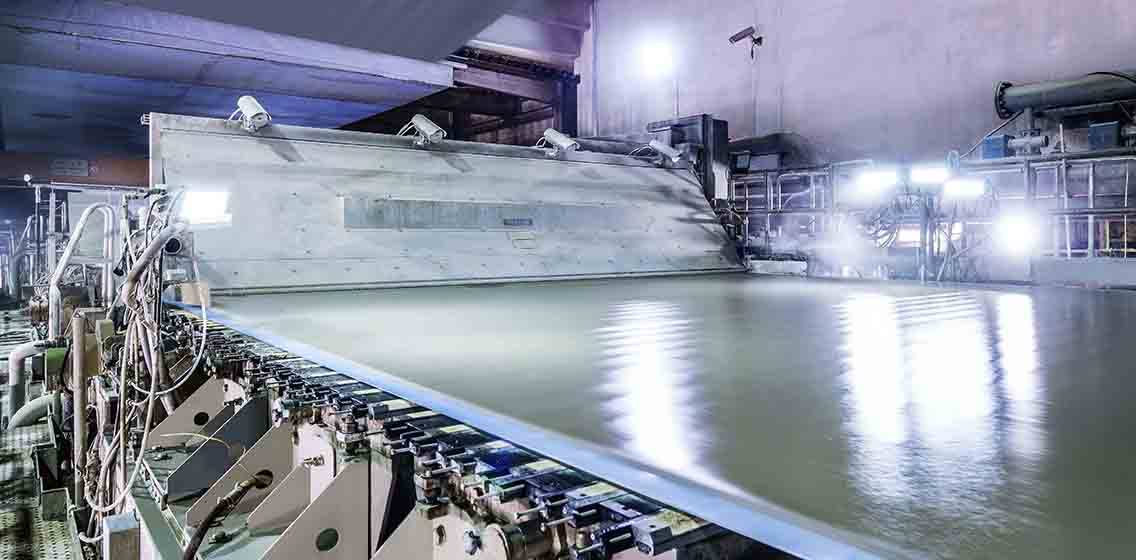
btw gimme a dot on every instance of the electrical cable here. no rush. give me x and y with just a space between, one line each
140 357
1120 75
137 464
140 275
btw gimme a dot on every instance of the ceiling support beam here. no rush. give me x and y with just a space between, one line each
519 86
523 118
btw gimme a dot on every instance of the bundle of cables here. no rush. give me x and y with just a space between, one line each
143 376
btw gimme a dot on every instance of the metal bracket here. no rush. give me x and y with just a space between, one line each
52 490
286 502
334 526
272 453
413 538
192 416
212 459
316 448
393 495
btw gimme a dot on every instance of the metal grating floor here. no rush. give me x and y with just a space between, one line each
17 471
24 535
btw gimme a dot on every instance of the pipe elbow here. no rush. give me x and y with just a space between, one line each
17 356
33 411
16 394
148 255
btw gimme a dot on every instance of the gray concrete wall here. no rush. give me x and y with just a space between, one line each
901 80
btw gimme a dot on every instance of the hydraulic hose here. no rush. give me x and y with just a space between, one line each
226 503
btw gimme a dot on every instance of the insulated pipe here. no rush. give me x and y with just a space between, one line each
55 295
34 411
1093 88
1029 143
79 404
148 255
16 381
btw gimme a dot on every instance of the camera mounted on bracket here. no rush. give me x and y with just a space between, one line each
750 33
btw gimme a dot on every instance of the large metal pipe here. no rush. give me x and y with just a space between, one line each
1093 88
16 380
79 402
55 295
34 411
1114 154
147 257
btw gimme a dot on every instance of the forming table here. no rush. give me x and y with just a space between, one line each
826 418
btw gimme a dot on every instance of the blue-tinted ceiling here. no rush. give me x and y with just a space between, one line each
66 112
75 75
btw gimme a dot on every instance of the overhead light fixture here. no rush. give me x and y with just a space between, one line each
252 113
425 130
668 152
558 141
964 188
876 180
930 175
655 58
1017 233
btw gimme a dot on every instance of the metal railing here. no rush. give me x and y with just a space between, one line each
1087 215
767 201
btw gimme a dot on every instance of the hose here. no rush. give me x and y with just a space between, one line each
226 503
152 250
36 410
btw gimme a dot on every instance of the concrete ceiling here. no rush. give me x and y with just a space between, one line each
90 68
76 74
422 29
77 113
549 31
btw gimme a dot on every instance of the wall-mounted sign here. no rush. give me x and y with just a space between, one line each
62 167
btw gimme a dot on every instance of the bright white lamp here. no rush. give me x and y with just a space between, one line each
1017 233
655 58
876 180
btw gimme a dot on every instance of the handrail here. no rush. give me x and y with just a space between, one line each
55 295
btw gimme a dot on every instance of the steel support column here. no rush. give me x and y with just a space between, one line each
566 106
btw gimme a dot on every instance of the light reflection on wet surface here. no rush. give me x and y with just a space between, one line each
957 422
647 351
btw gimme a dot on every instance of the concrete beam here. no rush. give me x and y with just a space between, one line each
506 83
